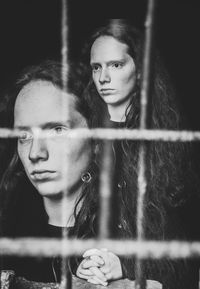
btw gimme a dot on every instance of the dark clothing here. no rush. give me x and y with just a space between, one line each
179 274
173 274
37 269
183 275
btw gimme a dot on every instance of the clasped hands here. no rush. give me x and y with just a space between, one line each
99 266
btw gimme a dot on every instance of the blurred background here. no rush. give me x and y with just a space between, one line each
30 31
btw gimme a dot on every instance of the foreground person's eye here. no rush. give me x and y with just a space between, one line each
25 136
59 130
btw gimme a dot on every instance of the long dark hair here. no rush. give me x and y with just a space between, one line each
168 183
22 209
165 167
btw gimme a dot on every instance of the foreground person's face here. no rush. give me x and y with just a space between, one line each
41 104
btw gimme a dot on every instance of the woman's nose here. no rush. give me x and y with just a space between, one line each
38 150
104 76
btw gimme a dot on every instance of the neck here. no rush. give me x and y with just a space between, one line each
60 211
117 112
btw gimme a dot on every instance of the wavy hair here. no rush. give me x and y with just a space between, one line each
18 198
168 180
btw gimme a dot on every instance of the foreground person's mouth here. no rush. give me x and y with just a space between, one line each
42 175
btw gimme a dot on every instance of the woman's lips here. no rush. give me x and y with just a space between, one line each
42 175
107 91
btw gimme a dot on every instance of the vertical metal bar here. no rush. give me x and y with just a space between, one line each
106 186
147 62
144 103
105 190
64 52
108 189
66 278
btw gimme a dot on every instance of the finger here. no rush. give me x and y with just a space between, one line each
107 273
108 276
104 253
78 274
81 264
93 281
105 269
84 272
96 280
98 273
97 259
89 263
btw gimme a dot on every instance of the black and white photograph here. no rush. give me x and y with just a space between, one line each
99 144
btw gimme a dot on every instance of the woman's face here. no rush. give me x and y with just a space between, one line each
113 70
53 165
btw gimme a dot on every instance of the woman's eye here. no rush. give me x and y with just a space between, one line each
25 136
117 65
60 129
95 68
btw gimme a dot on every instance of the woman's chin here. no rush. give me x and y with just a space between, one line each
50 190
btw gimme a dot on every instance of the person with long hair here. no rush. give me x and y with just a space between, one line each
40 170
113 57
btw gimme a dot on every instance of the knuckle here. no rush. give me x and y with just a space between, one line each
109 275
105 270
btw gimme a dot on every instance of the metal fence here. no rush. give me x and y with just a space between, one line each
140 248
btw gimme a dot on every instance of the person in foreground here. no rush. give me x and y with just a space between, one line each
36 177
113 57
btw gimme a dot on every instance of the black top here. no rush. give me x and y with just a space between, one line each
185 273
116 124
184 276
37 269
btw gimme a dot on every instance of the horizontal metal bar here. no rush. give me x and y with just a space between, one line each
119 134
141 249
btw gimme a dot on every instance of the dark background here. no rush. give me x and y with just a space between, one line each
30 31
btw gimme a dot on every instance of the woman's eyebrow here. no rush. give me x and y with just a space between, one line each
94 63
20 127
46 125
121 59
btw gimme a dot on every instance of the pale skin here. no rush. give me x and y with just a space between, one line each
46 161
100 266
114 74
40 105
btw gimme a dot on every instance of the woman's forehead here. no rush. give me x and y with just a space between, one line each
107 48
41 102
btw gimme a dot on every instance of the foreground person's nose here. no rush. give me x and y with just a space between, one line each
38 150
104 76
